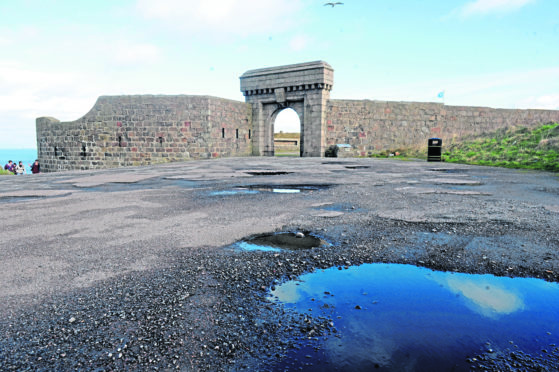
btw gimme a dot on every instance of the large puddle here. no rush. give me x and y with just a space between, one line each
392 317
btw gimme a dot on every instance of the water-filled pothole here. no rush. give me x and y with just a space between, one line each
278 189
276 242
236 191
401 317
289 188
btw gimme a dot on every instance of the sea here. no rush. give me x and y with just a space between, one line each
27 156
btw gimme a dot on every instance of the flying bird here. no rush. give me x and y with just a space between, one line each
334 4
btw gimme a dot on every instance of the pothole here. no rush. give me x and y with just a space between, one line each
448 170
277 242
17 199
453 181
402 317
236 191
278 189
22 196
289 188
149 184
267 173
180 182
120 186
340 207
336 162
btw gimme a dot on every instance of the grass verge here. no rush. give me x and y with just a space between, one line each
536 148
528 148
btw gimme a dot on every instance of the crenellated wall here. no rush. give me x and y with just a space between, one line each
373 126
145 129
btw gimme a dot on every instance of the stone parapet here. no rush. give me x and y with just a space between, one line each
145 129
366 127
290 78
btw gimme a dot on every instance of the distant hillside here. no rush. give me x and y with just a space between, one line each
286 135
536 148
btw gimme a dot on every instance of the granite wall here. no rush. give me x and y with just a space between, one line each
145 129
363 127
142 130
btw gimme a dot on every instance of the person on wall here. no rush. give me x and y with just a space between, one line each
20 169
35 168
10 166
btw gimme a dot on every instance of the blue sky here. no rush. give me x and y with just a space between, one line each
58 56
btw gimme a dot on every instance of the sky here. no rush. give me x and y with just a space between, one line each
58 56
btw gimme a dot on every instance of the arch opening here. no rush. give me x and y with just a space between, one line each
287 133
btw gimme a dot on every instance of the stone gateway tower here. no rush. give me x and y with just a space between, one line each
304 87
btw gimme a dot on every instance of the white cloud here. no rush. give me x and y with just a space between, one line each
486 298
223 17
12 75
298 42
547 102
30 93
492 6
5 41
540 78
535 89
132 54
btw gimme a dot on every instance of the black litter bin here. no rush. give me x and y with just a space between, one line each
434 149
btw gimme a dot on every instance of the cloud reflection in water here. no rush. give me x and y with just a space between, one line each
484 297
412 318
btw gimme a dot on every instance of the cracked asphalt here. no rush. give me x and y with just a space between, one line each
129 268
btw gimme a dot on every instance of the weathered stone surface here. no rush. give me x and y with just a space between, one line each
303 87
373 126
140 130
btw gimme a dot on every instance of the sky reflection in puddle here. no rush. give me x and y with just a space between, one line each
277 242
241 190
402 317
276 189
248 246
232 192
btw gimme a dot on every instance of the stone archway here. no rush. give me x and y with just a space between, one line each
287 132
304 87
270 118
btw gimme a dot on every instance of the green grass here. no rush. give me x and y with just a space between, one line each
4 172
399 153
536 148
290 151
286 135
522 148
286 154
